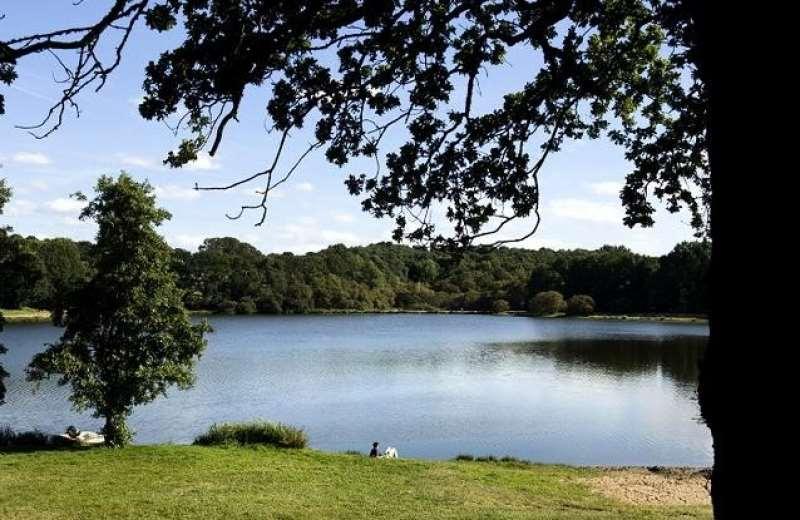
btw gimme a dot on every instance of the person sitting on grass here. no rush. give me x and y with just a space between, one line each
374 451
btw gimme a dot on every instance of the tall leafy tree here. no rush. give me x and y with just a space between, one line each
127 336
65 271
21 271
682 280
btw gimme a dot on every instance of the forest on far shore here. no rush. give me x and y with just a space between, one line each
230 276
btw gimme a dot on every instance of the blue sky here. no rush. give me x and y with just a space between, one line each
580 184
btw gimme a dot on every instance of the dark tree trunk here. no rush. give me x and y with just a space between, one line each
716 378
116 431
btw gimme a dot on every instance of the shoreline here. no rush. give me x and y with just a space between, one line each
28 315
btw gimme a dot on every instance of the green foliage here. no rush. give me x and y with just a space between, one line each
580 305
65 271
547 303
5 194
631 70
681 282
546 277
231 277
256 432
465 457
500 305
425 270
619 280
127 336
41 273
12 440
626 62
246 306
225 270
21 270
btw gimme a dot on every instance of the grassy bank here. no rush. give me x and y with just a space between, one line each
25 315
662 318
28 315
146 482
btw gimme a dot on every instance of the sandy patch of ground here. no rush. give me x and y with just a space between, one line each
654 486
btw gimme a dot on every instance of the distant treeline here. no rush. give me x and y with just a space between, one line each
230 276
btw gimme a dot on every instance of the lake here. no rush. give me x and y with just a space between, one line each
434 386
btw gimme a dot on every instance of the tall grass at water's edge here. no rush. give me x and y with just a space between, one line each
254 432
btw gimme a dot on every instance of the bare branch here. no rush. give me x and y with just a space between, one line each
89 68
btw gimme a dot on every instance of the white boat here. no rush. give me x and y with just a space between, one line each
84 439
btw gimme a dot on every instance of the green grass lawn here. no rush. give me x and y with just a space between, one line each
241 482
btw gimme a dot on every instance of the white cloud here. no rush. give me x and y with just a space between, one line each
63 205
20 208
606 188
336 237
305 234
344 218
34 158
587 210
134 160
38 185
550 243
72 221
175 192
187 241
305 186
203 162
30 187
251 238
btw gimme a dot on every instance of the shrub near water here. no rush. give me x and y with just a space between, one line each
580 305
547 303
9 439
255 432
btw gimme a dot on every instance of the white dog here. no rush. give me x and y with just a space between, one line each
390 453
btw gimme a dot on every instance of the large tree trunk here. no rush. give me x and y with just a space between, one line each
116 431
716 377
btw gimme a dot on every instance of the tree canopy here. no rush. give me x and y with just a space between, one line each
229 276
356 69
127 336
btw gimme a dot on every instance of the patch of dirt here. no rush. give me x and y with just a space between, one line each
654 486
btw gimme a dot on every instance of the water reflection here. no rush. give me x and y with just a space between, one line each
674 357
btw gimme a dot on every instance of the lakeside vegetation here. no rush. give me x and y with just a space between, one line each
274 434
28 315
264 482
229 276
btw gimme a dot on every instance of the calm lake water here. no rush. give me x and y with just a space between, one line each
434 386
